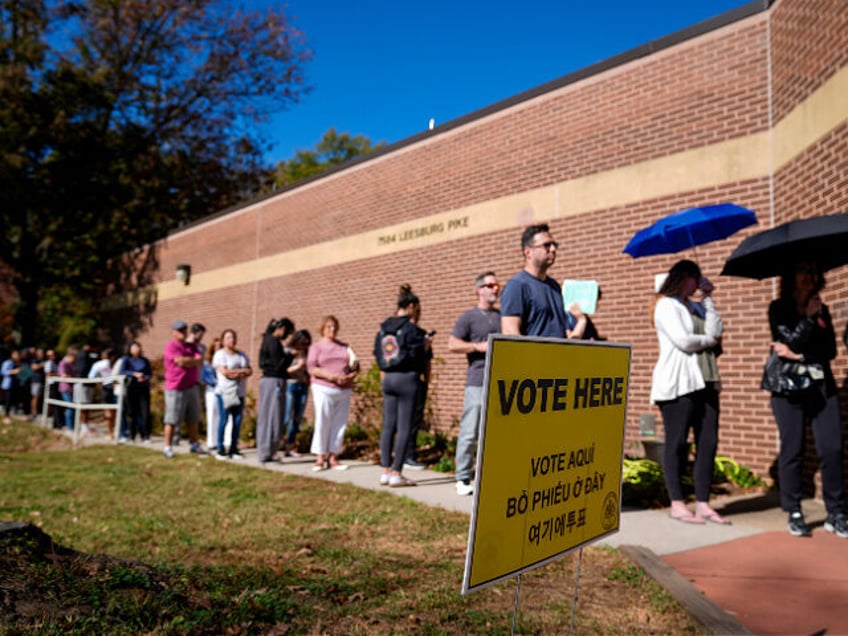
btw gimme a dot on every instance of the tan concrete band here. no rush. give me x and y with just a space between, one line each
741 159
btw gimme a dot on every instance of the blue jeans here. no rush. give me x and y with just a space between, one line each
68 396
469 431
237 412
297 394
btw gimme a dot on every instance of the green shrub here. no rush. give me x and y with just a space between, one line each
727 469
643 483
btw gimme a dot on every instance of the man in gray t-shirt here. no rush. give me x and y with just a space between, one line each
470 336
531 303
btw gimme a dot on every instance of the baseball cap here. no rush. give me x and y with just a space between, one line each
179 325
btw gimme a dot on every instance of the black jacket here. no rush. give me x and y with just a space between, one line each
273 359
814 337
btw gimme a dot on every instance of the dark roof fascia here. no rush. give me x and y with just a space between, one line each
643 50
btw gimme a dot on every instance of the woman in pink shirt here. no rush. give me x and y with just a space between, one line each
333 367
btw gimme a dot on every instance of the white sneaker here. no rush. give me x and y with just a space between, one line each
222 456
168 452
399 481
464 488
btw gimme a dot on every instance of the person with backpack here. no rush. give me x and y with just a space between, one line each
402 350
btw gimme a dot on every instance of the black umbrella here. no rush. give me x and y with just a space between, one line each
822 240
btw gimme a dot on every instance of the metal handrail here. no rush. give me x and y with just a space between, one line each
78 406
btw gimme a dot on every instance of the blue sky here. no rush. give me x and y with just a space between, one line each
384 68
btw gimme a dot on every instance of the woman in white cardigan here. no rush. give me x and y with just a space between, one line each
686 385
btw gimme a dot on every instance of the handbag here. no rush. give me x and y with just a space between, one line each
791 377
230 396
352 360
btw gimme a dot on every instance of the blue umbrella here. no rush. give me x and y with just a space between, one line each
688 228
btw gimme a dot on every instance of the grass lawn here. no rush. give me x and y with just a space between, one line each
195 546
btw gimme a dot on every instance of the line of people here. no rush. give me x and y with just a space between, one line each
23 372
685 382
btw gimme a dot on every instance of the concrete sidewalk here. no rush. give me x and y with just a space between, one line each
748 577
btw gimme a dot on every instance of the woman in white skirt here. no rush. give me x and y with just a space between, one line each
333 367
210 400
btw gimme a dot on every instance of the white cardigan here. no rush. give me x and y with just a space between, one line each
677 372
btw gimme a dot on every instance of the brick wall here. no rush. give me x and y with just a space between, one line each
698 94
808 48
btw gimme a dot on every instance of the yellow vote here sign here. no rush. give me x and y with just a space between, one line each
550 453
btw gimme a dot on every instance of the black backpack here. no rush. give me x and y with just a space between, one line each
395 344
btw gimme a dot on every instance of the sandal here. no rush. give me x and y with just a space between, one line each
687 518
713 517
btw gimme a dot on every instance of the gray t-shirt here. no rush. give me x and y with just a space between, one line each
475 325
237 360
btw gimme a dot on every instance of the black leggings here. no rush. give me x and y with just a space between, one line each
17 397
698 410
138 411
399 391
417 419
791 415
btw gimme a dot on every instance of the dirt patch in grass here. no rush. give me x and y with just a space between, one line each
19 436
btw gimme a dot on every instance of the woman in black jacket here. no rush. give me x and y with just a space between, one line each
402 349
802 331
274 361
